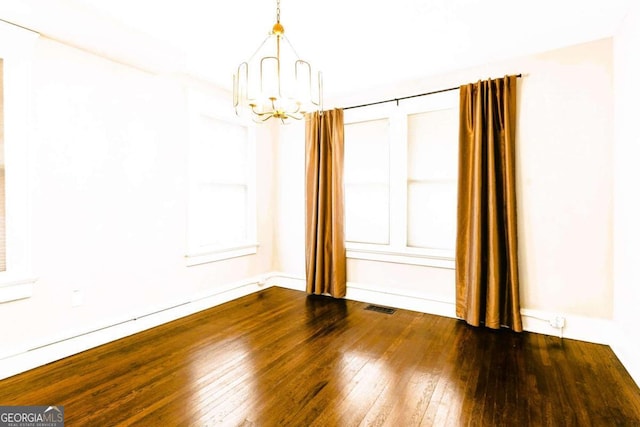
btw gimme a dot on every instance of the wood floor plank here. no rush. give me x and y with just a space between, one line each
282 358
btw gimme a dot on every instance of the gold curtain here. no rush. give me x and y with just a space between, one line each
326 261
487 284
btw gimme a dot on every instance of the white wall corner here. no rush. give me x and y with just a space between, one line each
627 349
288 281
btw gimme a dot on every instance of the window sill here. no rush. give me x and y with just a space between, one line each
221 254
14 288
397 257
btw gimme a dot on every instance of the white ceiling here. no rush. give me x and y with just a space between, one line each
356 43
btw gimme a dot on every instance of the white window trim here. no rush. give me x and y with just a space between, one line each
397 251
212 255
417 257
200 104
16 51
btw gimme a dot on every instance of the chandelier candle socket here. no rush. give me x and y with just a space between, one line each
275 82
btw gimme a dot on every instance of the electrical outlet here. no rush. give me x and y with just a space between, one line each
77 298
557 322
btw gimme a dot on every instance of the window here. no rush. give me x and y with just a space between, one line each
366 181
222 210
16 48
401 181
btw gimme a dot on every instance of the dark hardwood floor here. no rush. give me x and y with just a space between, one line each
279 357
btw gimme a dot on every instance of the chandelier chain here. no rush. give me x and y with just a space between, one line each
278 11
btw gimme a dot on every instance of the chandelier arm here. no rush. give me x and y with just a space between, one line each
261 117
236 82
253 110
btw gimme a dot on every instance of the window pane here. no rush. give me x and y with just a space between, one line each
433 145
432 215
367 213
221 214
222 151
366 152
432 165
366 176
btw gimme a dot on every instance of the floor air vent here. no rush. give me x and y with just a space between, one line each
379 309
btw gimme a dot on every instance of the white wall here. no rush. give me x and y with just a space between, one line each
627 203
565 175
565 134
108 179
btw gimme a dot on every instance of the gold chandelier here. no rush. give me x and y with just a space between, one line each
275 82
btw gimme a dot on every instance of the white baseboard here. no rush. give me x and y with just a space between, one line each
590 329
581 328
576 327
379 295
73 342
627 349
289 281
374 295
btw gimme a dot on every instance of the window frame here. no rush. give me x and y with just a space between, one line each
204 105
398 251
16 51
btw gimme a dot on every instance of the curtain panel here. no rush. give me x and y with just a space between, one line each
325 255
487 282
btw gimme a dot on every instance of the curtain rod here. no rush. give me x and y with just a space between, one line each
397 100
